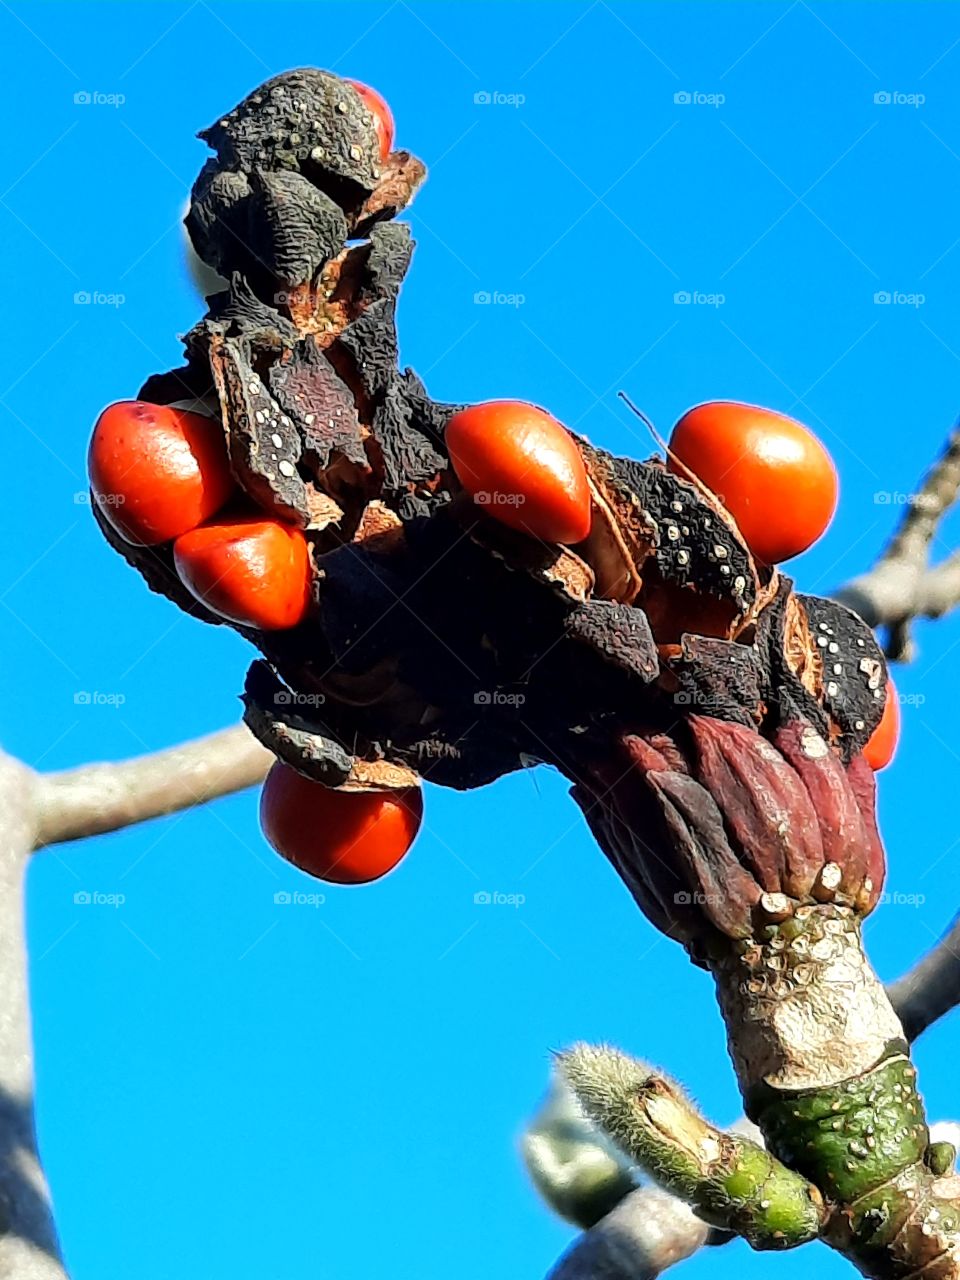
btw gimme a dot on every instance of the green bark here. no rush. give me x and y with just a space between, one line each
852 1137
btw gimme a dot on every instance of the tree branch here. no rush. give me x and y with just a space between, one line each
47 810
932 986
902 585
28 1239
106 797
649 1231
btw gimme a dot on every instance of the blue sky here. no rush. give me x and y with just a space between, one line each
232 1088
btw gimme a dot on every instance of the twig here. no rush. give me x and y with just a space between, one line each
105 797
902 585
932 987
649 1231
940 588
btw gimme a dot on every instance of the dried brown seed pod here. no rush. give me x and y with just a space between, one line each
445 643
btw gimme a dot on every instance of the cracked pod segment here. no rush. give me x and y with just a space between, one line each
299 168
650 657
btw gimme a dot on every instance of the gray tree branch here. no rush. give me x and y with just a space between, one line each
105 797
649 1231
28 1239
932 987
41 810
903 585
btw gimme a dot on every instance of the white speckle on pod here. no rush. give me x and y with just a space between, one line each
812 744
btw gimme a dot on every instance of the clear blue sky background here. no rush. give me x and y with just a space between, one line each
232 1088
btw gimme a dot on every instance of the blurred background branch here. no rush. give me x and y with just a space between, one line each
28 1239
903 585
37 810
931 988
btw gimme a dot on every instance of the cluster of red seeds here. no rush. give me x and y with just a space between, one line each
161 475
